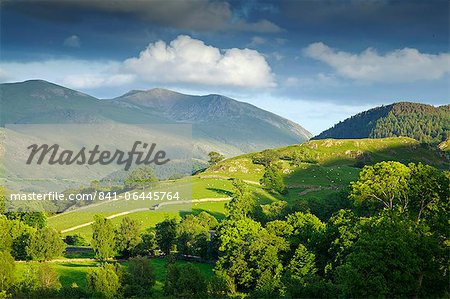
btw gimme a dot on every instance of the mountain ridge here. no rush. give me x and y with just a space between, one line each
219 123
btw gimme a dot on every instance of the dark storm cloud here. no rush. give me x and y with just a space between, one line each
413 16
201 15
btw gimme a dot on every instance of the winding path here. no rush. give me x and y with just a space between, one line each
153 208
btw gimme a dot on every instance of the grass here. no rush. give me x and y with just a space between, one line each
69 273
335 169
75 272
151 218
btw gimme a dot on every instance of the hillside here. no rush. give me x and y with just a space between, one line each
325 168
218 117
219 123
424 123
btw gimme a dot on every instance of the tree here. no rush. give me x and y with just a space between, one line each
273 180
33 219
148 244
45 244
7 271
48 280
428 188
393 258
273 211
14 237
266 157
103 281
242 203
141 177
214 158
384 185
38 281
166 234
103 241
207 220
246 250
184 281
140 277
305 227
301 268
193 236
127 236
300 155
220 285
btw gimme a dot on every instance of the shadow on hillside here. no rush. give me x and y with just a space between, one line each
341 165
197 211
74 265
401 151
221 191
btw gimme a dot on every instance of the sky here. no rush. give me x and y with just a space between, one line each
314 62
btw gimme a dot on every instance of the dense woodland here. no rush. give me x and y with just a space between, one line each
385 235
424 123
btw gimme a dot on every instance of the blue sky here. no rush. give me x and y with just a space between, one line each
315 62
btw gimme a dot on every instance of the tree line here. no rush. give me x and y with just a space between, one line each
386 235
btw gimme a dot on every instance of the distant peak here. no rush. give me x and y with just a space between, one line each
162 91
36 81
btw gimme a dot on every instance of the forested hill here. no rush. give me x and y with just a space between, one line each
422 122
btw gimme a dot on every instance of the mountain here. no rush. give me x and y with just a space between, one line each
218 117
422 122
219 123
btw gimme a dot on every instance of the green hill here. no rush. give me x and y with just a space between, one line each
424 123
323 168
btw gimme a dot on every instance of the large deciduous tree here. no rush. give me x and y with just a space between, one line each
166 235
384 185
45 244
127 236
103 239
242 203
103 281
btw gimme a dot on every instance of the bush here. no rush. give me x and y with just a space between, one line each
40 281
7 268
103 281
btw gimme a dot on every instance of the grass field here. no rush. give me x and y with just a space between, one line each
75 272
147 219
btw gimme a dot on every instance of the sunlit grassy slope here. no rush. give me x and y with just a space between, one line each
337 163
75 272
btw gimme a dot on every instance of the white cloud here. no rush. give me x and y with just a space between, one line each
72 41
188 60
3 75
80 74
402 65
88 81
184 60
319 80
